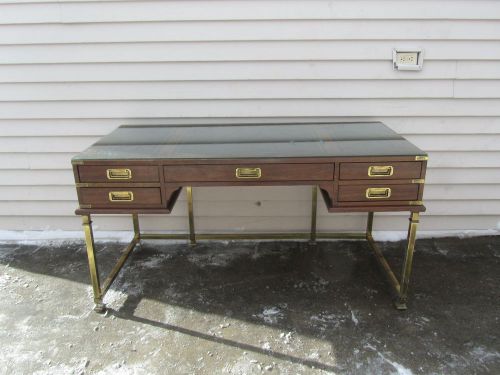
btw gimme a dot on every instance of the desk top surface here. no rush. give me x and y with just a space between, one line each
249 141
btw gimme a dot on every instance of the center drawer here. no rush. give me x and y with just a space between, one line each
248 172
120 197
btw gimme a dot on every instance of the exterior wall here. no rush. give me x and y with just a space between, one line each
71 71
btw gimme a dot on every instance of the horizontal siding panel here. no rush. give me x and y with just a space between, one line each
232 224
36 160
249 30
99 127
249 108
231 90
463 176
238 51
254 195
106 11
249 209
477 89
468 159
36 177
39 193
46 144
452 142
478 69
225 71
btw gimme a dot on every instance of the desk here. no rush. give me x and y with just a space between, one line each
356 167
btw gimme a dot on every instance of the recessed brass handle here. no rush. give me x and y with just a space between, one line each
248 173
380 170
121 196
119 174
378 193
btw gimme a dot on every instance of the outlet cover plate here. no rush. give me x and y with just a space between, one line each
407 59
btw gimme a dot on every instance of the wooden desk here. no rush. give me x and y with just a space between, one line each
363 167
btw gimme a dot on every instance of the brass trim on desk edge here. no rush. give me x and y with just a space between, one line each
415 203
421 157
418 181
84 206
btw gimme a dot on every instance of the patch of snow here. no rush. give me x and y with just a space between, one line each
482 355
30 237
325 320
354 319
271 315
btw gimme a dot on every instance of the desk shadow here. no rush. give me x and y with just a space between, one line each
332 292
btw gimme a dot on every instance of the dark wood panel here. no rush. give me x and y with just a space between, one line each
380 170
358 193
111 173
267 172
141 197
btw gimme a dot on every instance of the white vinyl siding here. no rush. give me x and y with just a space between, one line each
72 71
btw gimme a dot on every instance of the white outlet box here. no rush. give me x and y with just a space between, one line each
407 59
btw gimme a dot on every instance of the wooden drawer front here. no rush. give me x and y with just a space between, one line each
113 173
380 170
378 193
118 197
249 172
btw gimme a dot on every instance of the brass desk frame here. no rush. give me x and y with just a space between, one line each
400 288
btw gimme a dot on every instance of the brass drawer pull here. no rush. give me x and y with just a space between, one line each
380 170
119 174
121 196
248 173
377 193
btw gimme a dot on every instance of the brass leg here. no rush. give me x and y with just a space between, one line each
137 231
407 264
94 273
314 209
192 236
379 257
369 225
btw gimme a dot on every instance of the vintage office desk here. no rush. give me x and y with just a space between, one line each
363 167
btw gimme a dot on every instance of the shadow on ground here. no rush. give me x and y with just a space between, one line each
236 307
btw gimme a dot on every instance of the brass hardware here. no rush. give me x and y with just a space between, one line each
378 193
82 185
119 174
121 196
418 181
254 236
85 206
415 203
380 170
421 157
77 162
248 173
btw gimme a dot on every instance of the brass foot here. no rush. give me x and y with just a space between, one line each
400 305
100 308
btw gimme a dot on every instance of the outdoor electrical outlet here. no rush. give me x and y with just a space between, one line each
407 59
